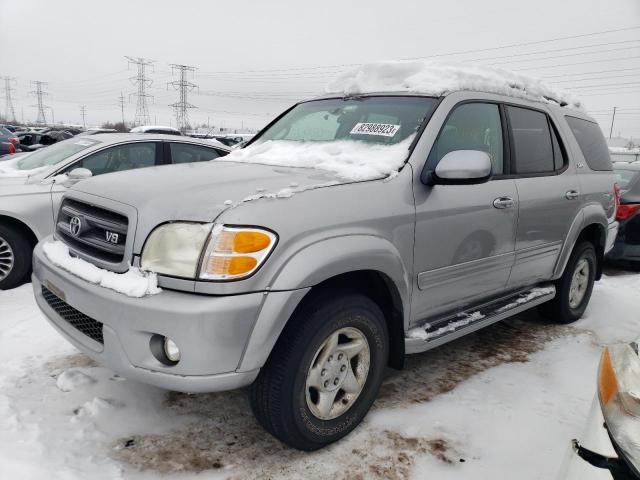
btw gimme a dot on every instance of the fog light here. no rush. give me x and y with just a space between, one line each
171 350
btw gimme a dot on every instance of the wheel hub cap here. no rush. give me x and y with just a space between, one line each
6 259
337 373
579 283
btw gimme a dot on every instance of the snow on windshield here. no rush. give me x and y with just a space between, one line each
430 78
10 168
348 159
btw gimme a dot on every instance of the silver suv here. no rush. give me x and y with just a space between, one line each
305 279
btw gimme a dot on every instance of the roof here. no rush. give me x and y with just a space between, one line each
626 165
111 138
438 79
144 128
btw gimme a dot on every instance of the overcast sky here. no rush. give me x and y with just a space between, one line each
253 59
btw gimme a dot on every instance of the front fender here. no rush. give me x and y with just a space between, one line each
311 266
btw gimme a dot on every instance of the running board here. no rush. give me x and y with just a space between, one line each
437 332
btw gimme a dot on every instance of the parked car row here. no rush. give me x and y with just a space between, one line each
355 228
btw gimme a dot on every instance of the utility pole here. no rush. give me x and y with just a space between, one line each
9 110
142 82
39 93
121 100
612 120
83 112
182 106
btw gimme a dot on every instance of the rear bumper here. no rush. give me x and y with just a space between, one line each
623 250
612 234
211 331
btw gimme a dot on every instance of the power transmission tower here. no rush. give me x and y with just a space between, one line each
142 82
9 111
39 93
83 112
121 101
182 106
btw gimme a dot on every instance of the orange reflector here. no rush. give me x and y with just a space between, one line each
250 242
239 265
607 382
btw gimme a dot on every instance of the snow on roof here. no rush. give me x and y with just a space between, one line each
437 79
144 128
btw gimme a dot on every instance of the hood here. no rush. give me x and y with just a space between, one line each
200 191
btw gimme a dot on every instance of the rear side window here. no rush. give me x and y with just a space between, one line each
532 141
591 142
188 153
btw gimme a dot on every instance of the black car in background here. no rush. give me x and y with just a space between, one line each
30 141
627 247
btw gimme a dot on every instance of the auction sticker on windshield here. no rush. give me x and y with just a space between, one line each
379 129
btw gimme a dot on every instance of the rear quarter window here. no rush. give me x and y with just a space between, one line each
592 143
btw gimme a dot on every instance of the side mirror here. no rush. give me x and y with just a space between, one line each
463 166
75 175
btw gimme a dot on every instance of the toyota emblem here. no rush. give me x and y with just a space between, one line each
75 225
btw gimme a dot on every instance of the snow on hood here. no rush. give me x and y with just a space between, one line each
9 169
431 78
348 159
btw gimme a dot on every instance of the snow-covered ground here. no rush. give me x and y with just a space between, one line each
499 404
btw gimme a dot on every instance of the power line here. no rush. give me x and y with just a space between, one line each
40 93
83 112
182 106
9 110
142 82
121 101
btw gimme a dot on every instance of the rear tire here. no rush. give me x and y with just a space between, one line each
15 257
305 395
573 289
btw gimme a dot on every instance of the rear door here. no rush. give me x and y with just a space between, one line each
465 234
548 191
180 152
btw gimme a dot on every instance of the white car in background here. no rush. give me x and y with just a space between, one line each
32 185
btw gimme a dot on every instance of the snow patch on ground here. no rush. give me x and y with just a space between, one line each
431 78
133 283
71 379
349 159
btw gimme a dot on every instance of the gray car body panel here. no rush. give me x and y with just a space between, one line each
406 231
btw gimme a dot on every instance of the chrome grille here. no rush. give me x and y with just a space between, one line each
92 230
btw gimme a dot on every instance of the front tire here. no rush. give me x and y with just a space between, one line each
324 372
15 257
573 289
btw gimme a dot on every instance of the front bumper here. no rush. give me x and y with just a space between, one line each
211 331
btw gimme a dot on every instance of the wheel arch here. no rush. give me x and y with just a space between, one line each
20 226
359 263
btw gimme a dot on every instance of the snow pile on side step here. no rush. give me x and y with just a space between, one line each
465 319
133 283
430 78
349 159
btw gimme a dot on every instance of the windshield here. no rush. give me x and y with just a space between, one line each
380 120
54 154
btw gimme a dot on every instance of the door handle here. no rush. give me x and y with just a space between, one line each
572 194
503 202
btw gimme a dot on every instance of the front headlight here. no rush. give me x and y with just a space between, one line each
175 248
235 252
230 253
619 393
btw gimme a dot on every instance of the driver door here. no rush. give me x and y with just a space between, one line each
465 234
